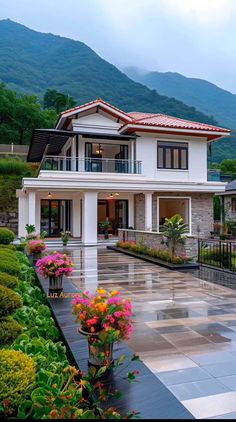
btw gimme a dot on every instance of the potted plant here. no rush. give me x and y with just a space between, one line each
36 247
104 225
65 237
30 228
54 267
174 229
104 318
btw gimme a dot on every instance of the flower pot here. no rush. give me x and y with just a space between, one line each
36 256
106 235
98 355
55 284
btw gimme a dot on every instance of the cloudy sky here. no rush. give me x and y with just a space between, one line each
194 37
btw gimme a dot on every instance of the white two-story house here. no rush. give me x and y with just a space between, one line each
133 169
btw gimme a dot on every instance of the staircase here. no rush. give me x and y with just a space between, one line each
56 243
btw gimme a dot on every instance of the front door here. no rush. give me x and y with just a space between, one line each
55 216
115 211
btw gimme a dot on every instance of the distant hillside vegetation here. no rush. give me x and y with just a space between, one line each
31 62
203 95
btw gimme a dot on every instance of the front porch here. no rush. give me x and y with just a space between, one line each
82 211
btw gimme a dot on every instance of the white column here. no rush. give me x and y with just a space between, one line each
148 211
89 214
131 210
32 208
22 213
73 154
76 216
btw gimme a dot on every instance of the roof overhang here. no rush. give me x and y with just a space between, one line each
94 105
209 134
51 141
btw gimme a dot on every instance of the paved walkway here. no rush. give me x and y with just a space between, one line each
185 328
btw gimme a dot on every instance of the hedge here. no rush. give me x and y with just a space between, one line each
6 236
9 330
8 280
9 301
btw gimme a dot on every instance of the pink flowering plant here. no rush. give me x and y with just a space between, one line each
55 265
36 246
105 313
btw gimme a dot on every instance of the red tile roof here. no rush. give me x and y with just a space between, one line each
150 119
162 120
96 102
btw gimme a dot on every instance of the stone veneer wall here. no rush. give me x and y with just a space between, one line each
202 211
153 240
9 220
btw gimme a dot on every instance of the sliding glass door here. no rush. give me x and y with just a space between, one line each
55 216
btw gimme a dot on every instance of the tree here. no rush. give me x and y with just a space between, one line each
175 231
57 100
20 114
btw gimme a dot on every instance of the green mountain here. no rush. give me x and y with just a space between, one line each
203 95
31 62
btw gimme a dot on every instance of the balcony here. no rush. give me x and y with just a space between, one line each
91 165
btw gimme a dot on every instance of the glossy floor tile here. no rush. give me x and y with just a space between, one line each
185 325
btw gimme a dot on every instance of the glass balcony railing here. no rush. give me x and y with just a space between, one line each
214 176
91 165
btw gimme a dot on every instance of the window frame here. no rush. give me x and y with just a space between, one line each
233 204
178 146
189 198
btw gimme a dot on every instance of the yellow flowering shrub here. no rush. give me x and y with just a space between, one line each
9 301
8 280
17 377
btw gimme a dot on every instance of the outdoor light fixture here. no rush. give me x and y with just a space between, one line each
117 194
111 196
99 149
49 195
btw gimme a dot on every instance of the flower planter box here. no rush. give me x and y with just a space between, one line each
169 265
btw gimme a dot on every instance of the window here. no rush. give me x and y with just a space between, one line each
171 155
170 206
233 204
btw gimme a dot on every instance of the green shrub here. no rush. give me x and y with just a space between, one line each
21 247
9 266
8 247
8 253
17 376
8 280
6 236
13 166
9 301
9 330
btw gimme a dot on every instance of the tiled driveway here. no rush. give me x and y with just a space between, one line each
185 328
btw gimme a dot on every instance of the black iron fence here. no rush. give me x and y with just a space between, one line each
217 253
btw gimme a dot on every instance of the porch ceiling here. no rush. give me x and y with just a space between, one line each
54 140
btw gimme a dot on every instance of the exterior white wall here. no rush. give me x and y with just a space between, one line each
89 217
76 216
95 122
23 211
146 151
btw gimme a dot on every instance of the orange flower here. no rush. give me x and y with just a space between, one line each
114 292
101 291
101 307
92 329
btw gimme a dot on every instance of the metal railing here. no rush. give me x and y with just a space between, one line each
217 253
93 165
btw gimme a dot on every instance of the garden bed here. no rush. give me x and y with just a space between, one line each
157 261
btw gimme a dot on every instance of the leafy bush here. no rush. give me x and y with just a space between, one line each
8 247
9 330
21 246
48 355
8 280
9 301
14 166
17 376
9 266
6 236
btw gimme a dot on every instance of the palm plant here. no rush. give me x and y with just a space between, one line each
174 229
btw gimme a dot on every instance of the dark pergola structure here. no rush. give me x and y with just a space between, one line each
51 141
